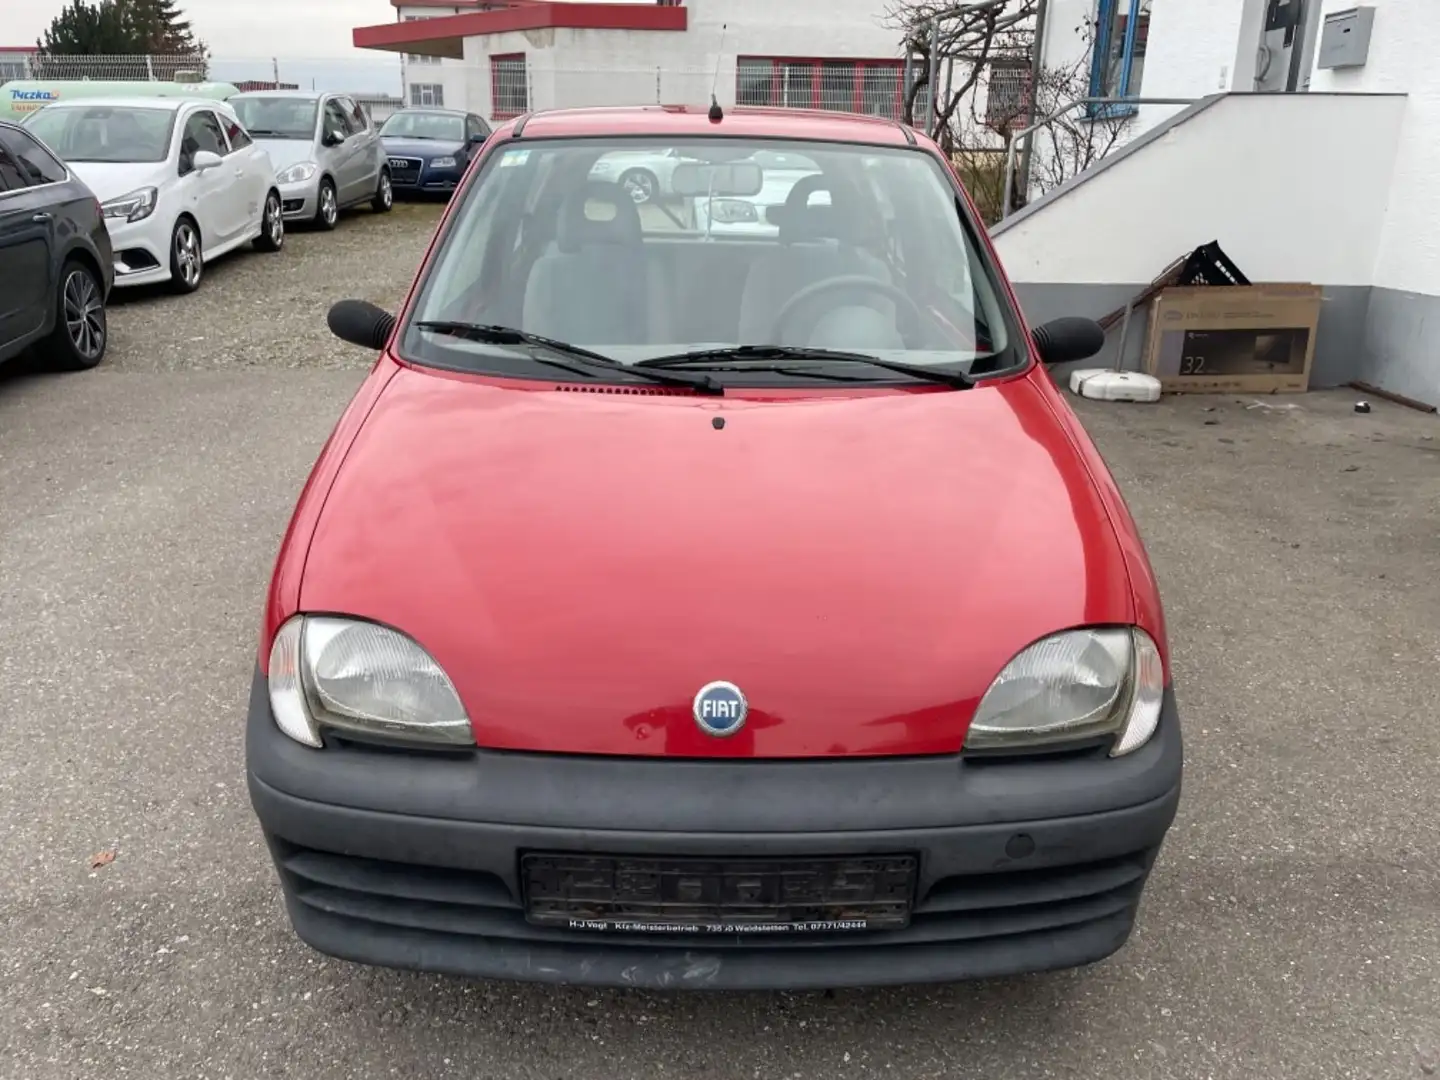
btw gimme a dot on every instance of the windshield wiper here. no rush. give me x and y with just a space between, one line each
701 358
506 335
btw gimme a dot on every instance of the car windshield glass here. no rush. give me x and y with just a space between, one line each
408 124
276 117
643 249
119 133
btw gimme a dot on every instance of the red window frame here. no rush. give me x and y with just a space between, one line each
857 65
496 112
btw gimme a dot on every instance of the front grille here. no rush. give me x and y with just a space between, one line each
402 897
404 170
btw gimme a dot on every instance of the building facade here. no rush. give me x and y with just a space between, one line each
503 59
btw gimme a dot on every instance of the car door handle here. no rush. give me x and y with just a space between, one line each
42 216
239 172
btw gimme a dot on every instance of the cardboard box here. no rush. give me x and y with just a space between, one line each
1252 339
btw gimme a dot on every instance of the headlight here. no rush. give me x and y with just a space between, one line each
296 173
732 211
442 163
1071 686
136 206
358 676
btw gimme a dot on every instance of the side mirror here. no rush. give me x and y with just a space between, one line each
477 137
332 137
1065 340
360 323
205 160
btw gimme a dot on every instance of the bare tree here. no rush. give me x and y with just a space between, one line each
968 37
989 92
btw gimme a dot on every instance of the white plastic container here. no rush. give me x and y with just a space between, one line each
1102 384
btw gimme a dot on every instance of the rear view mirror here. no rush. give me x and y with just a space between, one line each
738 179
360 323
1065 340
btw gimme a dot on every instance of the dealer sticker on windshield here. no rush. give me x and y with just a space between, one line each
512 158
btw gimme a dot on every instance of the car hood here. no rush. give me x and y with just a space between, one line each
421 148
109 179
581 564
286 152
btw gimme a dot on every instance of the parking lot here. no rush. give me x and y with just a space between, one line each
1292 928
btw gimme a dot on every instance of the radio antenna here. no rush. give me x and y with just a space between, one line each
716 113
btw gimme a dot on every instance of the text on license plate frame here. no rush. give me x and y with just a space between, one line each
692 896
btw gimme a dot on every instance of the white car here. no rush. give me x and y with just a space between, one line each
644 174
750 217
180 181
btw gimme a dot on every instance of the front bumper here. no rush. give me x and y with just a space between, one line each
300 201
413 860
417 176
140 250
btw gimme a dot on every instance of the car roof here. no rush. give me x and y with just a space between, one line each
297 95
436 111
172 104
694 121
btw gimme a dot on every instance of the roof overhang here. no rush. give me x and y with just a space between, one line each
444 36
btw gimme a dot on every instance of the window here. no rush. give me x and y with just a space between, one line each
10 177
432 94
509 87
859 86
235 133
1007 99
416 58
335 118
36 164
114 133
201 132
277 116
1116 67
359 122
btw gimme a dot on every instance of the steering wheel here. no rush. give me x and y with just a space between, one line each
909 318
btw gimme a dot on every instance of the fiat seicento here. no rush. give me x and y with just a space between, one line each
672 608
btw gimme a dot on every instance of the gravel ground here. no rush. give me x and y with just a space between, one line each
256 310
1292 927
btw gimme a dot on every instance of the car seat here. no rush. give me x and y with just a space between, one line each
816 243
593 286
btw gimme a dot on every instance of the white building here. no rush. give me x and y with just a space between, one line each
502 58
1311 153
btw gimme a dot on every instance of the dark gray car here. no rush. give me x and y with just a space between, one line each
56 264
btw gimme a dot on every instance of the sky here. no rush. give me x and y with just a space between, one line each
310 39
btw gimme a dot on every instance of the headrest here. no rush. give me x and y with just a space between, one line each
576 229
799 221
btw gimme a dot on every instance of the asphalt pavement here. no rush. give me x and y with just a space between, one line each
1291 929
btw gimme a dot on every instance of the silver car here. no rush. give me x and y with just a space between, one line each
327 153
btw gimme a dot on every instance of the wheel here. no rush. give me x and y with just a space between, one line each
640 184
272 225
187 258
78 341
327 213
384 194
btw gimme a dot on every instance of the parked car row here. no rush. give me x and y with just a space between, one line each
117 190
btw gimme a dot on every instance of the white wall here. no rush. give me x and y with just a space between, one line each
614 67
1293 186
1404 48
451 74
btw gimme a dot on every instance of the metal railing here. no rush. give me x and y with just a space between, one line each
1026 132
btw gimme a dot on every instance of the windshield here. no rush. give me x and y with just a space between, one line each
720 243
409 124
276 117
116 133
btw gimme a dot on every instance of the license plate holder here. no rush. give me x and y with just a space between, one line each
684 896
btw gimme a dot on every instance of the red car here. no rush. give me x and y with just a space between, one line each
684 608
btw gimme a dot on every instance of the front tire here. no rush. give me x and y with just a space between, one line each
327 210
187 257
384 194
272 225
81 332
